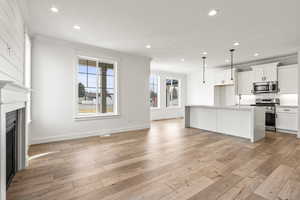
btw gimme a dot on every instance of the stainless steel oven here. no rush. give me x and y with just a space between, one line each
270 111
270 118
265 87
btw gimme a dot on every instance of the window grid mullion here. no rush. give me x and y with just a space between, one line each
97 90
98 87
171 91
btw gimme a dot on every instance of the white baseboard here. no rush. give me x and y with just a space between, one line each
166 118
287 131
87 134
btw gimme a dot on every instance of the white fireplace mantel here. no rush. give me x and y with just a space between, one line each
13 96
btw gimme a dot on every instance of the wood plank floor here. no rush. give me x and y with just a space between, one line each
166 162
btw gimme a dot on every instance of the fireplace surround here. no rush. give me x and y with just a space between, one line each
13 103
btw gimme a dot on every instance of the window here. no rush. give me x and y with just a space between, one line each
154 90
172 93
96 87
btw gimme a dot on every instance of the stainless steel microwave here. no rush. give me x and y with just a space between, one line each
265 87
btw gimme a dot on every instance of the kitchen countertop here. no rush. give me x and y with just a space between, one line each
287 106
242 107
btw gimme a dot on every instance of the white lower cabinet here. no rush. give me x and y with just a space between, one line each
234 122
287 120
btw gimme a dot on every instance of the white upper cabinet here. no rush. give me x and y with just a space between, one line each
265 73
223 77
288 79
245 82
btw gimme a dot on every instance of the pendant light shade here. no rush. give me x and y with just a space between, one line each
203 71
231 65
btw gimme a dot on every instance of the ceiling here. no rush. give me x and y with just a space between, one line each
175 29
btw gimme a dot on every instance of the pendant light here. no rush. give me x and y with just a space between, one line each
203 71
231 56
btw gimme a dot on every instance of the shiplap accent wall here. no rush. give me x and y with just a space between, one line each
11 42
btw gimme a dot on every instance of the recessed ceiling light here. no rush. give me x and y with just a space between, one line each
76 27
236 44
148 46
54 9
213 12
182 59
256 54
204 53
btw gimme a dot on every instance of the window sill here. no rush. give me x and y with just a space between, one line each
95 117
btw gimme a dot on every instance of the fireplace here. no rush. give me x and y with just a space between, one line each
14 114
11 146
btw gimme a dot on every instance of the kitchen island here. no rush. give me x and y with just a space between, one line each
241 121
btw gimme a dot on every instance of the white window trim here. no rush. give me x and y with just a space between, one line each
179 92
92 116
158 93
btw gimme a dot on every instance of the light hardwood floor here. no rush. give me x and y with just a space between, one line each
166 162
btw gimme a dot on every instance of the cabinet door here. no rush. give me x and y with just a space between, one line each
270 73
287 121
245 82
258 74
266 72
288 79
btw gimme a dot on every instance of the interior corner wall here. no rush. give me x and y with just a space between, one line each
53 100
169 113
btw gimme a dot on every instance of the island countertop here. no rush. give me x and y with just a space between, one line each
235 107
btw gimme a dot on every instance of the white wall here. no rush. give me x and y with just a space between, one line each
224 95
199 93
53 99
168 113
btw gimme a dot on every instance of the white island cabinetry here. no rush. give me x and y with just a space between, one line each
245 122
